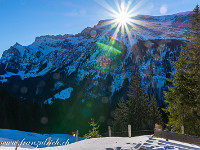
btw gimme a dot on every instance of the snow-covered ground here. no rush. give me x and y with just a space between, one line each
10 137
64 94
110 143
123 143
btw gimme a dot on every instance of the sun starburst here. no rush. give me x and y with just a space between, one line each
122 16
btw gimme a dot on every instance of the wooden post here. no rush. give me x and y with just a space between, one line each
129 131
77 136
17 144
109 131
182 129
49 142
156 127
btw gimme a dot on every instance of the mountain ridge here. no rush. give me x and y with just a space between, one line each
86 57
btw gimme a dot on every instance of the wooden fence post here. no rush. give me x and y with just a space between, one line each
49 142
182 129
109 131
77 136
17 144
129 131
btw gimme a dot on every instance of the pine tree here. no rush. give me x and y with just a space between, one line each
120 123
184 97
94 133
154 113
178 96
137 104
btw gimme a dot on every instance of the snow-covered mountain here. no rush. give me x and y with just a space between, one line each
96 62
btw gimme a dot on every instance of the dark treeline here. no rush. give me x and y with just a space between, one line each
18 114
58 117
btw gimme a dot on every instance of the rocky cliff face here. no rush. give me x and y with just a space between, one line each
95 64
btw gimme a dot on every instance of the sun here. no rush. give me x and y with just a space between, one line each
122 17
123 22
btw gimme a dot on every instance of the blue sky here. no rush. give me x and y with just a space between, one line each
23 20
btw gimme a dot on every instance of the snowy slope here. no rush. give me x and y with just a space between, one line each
64 94
34 139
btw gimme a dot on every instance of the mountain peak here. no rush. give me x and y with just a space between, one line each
18 46
86 30
56 37
101 22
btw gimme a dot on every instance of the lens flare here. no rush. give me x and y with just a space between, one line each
163 9
24 90
114 38
93 33
108 48
110 54
113 25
